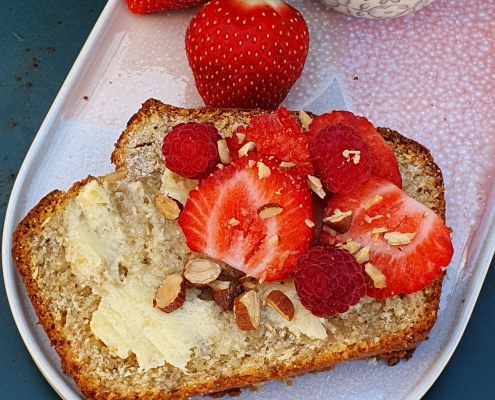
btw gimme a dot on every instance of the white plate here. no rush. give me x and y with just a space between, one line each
406 74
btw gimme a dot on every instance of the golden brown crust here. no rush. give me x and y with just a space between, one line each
393 348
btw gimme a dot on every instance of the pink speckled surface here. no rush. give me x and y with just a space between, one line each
428 75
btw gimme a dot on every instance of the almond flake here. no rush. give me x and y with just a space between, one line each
338 216
232 222
279 191
244 150
425 214
309 223
369 219
286 164
224 152
350 246
316 186
379 280
273 241
269 210
305 119
240 137
263 170
377 231
363 255
371 202
220 166
354 155
398 239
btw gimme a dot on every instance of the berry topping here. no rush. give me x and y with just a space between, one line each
277 134
341 158
385 164
154 6
403 245
190 149
253 221
245 53
329 281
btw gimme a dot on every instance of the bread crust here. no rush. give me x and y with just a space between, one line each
392 348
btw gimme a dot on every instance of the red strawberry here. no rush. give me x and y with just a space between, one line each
385 162
154 6
386 219
245 53
276 134
228 218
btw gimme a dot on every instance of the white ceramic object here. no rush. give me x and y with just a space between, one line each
125 55
377 9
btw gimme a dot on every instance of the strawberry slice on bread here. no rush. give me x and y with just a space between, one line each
252 216
406 245
385 163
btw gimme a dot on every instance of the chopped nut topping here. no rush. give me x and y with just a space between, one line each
339 221
354 155
286 164
224 152
377 231
269 210
247 310
305 119
351 246
279 191
371 202
316 186
398 239
279 301
337 216
425 214
362 255
248 282
199 271
171 294
232 222
309 223
167 207
224 293
379 280
244 150
263 170
369 219
273 241
240 137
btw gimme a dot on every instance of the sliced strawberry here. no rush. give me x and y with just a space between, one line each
385 164
221 219
276 134
385 218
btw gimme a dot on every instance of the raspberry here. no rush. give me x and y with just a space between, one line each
341 158
328 281
190 149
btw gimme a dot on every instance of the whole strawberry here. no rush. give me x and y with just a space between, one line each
246 53
153 6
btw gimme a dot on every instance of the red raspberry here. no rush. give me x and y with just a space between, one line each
328 281
341 158
190 149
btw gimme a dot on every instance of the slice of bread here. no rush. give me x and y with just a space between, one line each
92 258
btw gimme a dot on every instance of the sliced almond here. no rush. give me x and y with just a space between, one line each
305 119
369 219
263 170
273 241
379 280
167 207
316 186
339 221
171 294
363 255
371 202
309 223
200 271
232 222
240 137
352 155
224 152
248 282
269 210
398 238
286 164
247 310
224 293
351 246
245 149
279 301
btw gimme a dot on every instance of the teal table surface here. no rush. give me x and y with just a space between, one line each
39 41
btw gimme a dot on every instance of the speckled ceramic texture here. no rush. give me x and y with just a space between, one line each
376 9
428 75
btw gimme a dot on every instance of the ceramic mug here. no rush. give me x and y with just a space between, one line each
376 9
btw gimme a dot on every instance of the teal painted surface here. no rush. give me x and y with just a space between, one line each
39 42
